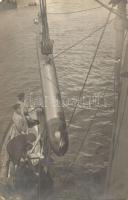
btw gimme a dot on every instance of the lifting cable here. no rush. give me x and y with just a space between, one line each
81 40
90 68
91 65
87 132
114 12
70 47
84 84
97 110
82 90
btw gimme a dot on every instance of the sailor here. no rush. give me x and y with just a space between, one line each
25 111
19 146
21 101
20 124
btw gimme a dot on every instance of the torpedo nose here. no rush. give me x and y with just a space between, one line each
61 143
58 137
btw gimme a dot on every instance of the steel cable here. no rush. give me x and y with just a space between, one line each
97 110
90 68
81 40
82 90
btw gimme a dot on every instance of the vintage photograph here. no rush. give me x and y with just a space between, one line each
63 100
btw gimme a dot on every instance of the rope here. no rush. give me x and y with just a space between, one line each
95 114
82 90
87 132
114 12
90 68
75 44
83 141
73 12
81 40
91 65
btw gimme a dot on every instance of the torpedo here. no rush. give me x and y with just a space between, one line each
55 120
54 114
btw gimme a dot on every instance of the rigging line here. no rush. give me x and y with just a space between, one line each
91 65
114 12
92 121
81 40
73 12
87 132
38 57
83 141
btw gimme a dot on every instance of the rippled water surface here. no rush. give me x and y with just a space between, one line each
19 72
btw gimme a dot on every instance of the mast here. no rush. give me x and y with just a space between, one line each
117 175
55 120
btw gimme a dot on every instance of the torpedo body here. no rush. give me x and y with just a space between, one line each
55 120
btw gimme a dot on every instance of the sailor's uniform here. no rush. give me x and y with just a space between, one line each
19 124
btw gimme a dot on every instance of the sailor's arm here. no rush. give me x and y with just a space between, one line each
19 123
23 126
